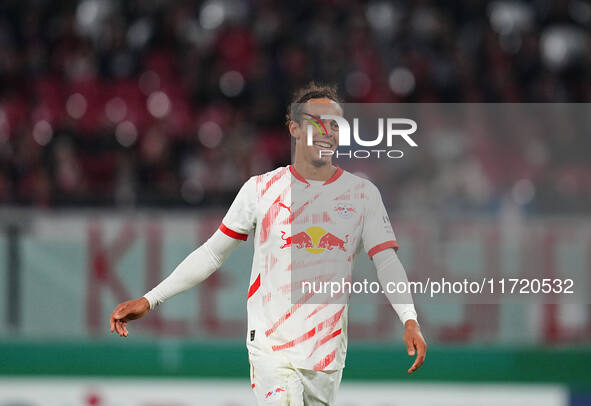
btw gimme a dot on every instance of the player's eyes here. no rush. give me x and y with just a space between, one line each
334 126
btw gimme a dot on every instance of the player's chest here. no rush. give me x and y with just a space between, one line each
312 220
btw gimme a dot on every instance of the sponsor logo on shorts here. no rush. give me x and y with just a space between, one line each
274 394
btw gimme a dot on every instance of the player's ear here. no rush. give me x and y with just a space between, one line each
293 129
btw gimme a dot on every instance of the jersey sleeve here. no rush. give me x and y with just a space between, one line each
377 234
241 217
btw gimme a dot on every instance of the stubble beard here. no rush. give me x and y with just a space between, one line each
318 162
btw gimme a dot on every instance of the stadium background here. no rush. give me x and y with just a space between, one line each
127 127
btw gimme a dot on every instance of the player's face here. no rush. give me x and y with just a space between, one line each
324 132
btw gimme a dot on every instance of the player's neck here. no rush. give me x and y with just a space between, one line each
312 172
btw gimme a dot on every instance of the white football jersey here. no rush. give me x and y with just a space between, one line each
316 227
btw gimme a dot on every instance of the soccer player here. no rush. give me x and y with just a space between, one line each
309 216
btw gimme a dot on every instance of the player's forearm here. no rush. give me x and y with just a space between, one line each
390 270
195 268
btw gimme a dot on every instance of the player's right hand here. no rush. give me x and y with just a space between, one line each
130 310
415 344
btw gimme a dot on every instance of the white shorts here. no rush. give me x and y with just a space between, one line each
276 382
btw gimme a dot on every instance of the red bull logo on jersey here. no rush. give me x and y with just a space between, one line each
299 240
315 240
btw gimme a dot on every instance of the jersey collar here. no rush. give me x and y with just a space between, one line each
299 177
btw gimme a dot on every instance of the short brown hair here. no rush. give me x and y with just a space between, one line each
312 90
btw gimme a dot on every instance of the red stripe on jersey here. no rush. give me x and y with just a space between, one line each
274 179
323 305
297 175
232 233
335 176
296 213
254 287
317 309
331 321
297 305
289 344
270 261
381 247
324 340
287 288
327 338
328 323
271 216
286 316
324 362
344 196
303 264
330 337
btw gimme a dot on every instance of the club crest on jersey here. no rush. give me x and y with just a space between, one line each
274 394
315 240
344 210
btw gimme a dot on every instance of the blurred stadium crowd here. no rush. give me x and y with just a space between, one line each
156 103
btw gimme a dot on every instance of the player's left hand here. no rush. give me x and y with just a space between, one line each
415 344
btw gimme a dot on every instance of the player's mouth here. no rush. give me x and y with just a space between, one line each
323 144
